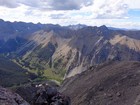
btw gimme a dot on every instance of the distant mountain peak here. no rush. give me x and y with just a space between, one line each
76 27
103 27
1 20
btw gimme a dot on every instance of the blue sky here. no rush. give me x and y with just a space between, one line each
134 15
113 13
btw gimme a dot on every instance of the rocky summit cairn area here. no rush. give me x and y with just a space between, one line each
43 94
47 95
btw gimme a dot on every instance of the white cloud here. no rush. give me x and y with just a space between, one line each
101 9
99 13
108 9
9 3
133 4
48 4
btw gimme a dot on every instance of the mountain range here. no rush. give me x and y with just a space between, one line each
63 51
94 65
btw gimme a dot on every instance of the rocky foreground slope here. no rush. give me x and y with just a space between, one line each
9 98
113 83
42 94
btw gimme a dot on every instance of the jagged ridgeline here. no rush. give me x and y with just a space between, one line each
54 52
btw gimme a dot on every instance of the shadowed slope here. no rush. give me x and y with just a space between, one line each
13 75
116 83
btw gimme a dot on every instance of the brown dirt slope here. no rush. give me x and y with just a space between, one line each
114 83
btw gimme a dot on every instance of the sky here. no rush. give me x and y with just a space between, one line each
112 13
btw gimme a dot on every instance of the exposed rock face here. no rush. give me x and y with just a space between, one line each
131 43
9 98
113 83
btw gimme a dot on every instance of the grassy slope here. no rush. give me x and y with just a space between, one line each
40 60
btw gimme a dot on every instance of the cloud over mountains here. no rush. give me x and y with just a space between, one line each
9 3
48 4
90 12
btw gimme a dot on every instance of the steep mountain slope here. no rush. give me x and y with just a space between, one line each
131 43
15 34
95 45
68 52
112 83
58 51
13 75
37 54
